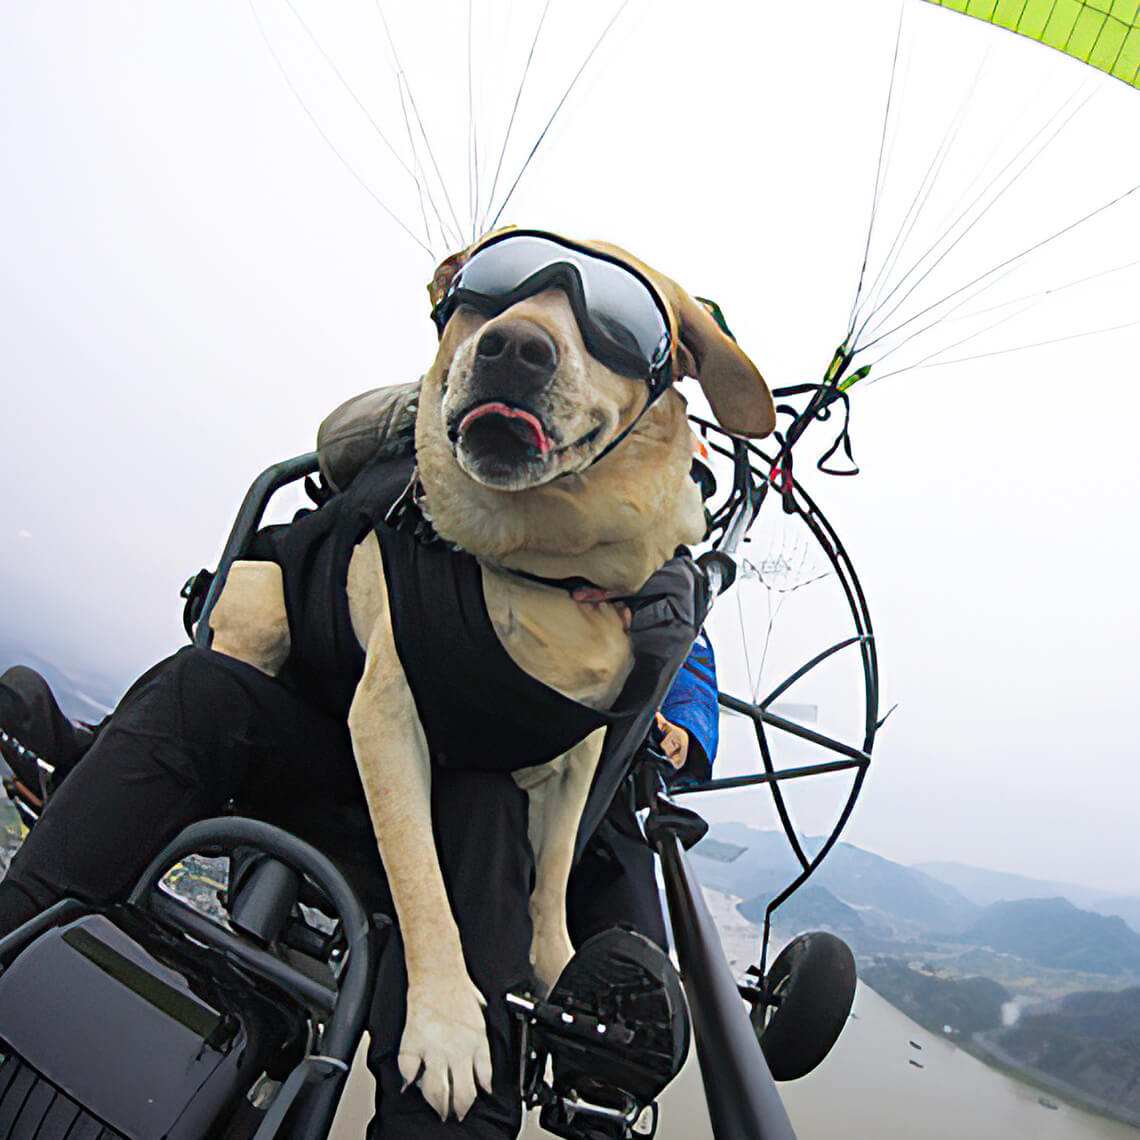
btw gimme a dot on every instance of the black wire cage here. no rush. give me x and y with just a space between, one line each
763 480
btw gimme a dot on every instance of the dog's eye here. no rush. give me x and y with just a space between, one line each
617 333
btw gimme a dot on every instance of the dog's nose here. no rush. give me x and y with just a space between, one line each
519 347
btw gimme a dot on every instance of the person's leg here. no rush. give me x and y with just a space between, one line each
32 722
480 823
175 750
201 730
615 881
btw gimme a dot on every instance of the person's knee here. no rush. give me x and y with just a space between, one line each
193 696
20 689
18 904
22 679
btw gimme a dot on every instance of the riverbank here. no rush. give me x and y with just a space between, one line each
741 943
969 1012
890 1079
998 1059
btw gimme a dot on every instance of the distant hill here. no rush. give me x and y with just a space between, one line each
862 879
985 887
810 908
1125 908
967 1005
853 876
1091 1041
1054 933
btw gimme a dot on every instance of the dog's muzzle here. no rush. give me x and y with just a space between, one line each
501 432
503 435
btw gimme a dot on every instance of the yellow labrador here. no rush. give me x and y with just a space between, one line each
540 451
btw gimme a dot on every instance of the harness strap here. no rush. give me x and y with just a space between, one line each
406 514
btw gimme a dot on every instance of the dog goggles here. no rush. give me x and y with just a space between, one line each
622 320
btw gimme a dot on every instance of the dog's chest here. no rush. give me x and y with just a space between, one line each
581 651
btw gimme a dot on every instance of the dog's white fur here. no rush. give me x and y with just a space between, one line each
613 522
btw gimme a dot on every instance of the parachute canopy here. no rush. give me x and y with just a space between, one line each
1104 33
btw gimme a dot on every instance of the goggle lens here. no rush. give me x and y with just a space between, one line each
621 310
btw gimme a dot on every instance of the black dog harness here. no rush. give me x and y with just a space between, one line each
478 708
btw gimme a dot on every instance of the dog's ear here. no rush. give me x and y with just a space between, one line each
735 390
444 272
450 265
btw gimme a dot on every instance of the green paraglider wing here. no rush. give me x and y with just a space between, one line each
1103 33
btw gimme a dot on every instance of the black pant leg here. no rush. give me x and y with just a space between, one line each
176 749
615 882
480 822
29 713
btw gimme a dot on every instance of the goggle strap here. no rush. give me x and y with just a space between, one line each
656 390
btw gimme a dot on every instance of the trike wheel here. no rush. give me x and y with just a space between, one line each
811 986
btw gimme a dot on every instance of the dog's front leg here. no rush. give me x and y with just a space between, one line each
444 1043
556 797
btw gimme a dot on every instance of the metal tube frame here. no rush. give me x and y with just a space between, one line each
741 1095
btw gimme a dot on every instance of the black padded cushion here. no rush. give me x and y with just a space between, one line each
380 424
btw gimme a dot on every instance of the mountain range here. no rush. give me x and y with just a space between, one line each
1091 1041
765 863
884 907
1056 934
986 887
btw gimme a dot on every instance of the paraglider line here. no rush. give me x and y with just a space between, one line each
879 171
472 130
752 687
554 113
514 112
930 363
971 224
1008 261
925 189
1044 293
948 316
328 141
1030 301
956 344
398 67
419 167
347 86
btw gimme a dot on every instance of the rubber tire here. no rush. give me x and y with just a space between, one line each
814 977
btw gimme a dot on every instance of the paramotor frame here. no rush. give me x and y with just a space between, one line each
761 475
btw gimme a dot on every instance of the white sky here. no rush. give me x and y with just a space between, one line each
192 280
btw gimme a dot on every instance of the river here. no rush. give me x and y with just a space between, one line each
867 1089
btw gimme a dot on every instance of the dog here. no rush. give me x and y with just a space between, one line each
544 455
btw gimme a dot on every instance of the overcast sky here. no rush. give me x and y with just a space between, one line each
192 279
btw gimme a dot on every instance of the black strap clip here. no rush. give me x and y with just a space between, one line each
194 591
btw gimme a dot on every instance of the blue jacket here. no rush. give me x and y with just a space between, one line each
691 704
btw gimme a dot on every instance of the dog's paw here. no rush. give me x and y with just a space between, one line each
444 1046
550 950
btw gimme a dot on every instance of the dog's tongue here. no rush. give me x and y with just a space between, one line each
525 423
